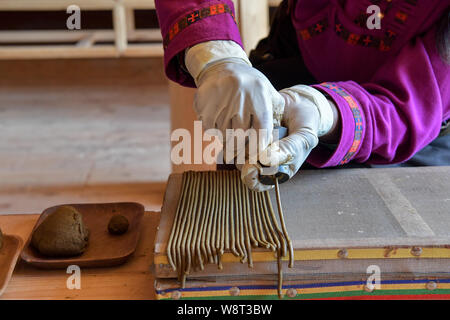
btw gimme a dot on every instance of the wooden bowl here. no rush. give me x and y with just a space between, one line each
9 253
104 249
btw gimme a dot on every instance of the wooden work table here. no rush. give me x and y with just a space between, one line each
132 280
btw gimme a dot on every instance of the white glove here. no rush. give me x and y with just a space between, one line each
308 116
231 93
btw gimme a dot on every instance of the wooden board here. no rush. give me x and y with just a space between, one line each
9 253
103 249
373 216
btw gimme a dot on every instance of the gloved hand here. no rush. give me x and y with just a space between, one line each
231 93
307 115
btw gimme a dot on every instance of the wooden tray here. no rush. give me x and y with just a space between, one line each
9 253
104 249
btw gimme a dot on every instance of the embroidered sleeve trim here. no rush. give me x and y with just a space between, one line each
354 107
401 11
314 29
194 17
382 44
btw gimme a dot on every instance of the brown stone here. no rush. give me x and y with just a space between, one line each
61 234
118 224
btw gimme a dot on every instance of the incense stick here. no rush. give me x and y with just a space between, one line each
217 213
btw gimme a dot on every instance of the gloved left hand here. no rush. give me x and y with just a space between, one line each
232 94
307 115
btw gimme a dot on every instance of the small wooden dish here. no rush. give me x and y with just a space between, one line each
9 253
104 249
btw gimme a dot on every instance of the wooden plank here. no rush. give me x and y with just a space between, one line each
140 4
73 52
145 35
26 5
32 36
130 21
120 27
132 280
17 5
143 50
57 52
55 36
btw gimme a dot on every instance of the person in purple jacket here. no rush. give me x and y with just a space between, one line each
346 92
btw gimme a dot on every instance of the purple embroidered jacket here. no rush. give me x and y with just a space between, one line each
390 85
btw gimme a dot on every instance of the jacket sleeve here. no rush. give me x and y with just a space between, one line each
396 114
185 23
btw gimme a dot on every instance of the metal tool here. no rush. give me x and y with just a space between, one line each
272 175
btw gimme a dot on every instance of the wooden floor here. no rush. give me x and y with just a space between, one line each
82 131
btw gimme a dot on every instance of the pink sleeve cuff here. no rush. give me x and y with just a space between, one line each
214 20
352 129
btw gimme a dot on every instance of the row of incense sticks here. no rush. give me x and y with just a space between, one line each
217 213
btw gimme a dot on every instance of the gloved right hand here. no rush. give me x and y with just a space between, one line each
231 93
308 115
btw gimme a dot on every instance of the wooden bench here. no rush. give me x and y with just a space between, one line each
85 41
